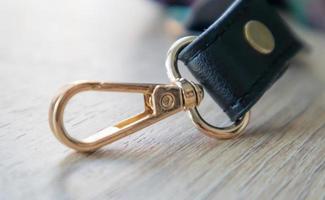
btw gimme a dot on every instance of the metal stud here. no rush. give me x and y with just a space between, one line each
259 37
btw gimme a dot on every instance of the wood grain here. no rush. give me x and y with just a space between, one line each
45 44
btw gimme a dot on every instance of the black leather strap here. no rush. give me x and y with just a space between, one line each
235 74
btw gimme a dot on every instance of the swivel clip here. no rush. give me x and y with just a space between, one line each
160 101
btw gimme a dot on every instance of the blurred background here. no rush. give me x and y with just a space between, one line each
40 31
308 12
45 44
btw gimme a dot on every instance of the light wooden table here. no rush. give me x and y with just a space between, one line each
46 44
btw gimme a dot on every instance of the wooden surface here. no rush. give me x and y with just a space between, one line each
45 44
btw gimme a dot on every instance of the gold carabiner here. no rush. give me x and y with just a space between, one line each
160 101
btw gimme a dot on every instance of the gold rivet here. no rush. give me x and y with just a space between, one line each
259 37
167 101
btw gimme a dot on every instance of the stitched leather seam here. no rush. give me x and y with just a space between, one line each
262 76
240 13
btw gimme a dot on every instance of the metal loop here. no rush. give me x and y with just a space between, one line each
160 101
173 73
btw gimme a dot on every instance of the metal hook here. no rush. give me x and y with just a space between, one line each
160 101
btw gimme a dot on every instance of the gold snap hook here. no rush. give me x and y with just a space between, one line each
160 101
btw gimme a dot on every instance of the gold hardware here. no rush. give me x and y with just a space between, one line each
167 101
160 101
173 73
259 37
